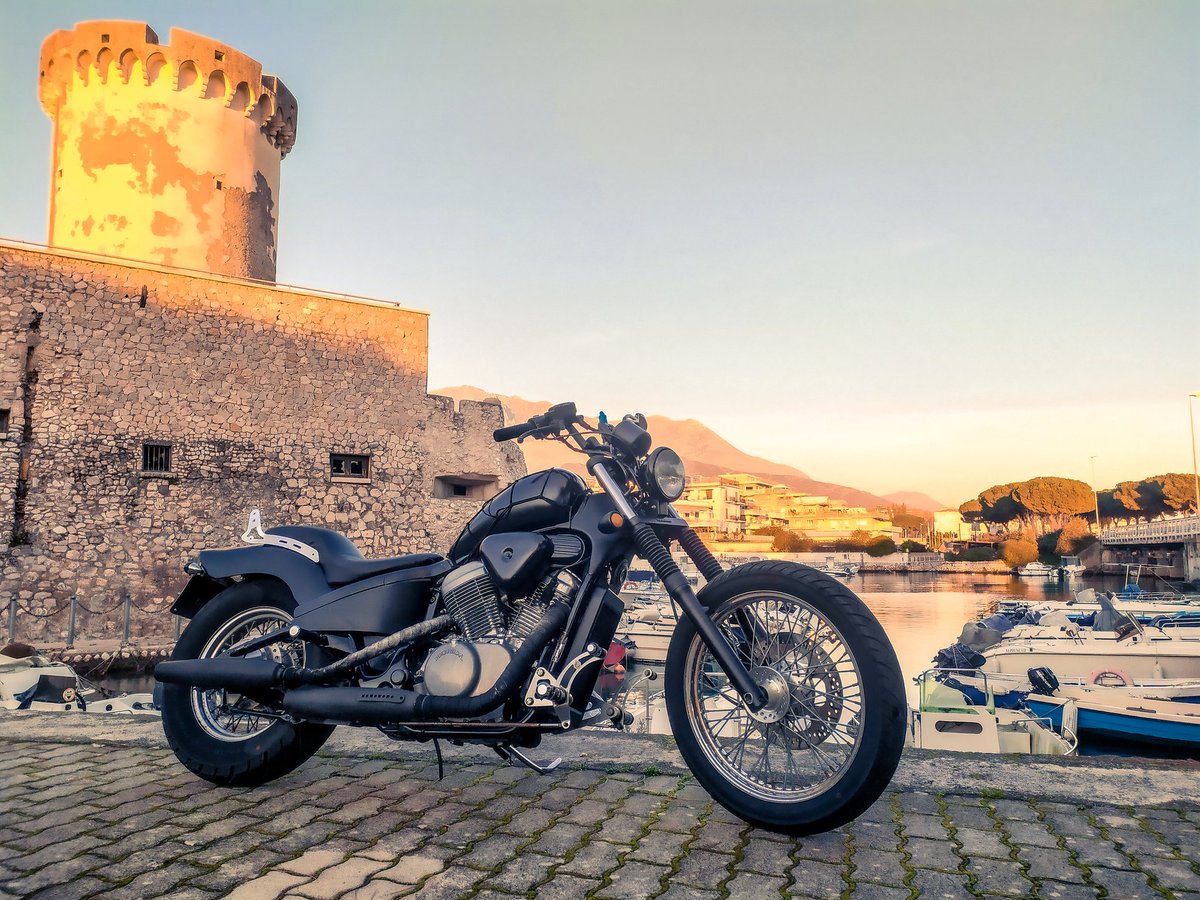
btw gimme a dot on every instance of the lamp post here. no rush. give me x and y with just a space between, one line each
1096 494
1192 432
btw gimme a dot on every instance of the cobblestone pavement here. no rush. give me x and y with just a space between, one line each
116 821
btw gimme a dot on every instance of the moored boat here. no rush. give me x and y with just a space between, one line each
953 715
29 681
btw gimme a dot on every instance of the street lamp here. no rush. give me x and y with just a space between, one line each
1192 432
1096 494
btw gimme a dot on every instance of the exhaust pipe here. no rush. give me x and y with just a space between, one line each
381 705
242 674
228 673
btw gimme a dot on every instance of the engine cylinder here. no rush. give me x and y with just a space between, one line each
470 597
528 614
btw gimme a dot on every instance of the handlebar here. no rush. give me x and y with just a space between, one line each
558 415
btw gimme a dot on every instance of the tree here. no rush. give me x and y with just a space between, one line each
1018 552
859 538
1052 502
908 521
998 504
914 547
883 546
791 542
1074 537
971 511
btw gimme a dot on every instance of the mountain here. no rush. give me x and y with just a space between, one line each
914 500
704 452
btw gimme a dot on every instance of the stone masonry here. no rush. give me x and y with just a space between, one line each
252 386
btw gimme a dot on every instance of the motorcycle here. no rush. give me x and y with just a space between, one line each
782 690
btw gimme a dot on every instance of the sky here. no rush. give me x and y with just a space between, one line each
925 246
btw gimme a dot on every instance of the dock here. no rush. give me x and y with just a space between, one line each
97 806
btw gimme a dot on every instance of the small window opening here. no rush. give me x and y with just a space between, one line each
156 457
220 55
4 416
104 38
349 467
218 184
466 487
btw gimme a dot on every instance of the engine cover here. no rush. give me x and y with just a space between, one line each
465 668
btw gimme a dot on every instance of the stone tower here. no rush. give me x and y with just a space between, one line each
164 153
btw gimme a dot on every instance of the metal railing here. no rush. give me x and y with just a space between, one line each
1164 531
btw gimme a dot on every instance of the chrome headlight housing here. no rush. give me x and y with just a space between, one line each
664 475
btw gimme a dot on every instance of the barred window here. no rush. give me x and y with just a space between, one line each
350 467
4 417
156 457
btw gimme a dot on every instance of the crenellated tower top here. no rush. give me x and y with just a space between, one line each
166 153
190 63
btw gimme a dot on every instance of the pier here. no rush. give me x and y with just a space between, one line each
1178 539
96 806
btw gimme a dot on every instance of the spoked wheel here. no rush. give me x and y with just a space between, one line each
235 717
225 737
825 745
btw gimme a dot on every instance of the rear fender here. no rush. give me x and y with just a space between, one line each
304 578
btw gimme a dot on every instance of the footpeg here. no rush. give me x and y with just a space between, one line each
511 754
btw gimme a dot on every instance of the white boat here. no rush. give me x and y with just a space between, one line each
1071 566
1080 654
1110 713
29 681
649 626
838 569
946 718
1036 569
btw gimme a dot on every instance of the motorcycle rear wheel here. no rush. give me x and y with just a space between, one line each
829 740
223 737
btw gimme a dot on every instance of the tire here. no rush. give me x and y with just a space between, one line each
236 748
832 732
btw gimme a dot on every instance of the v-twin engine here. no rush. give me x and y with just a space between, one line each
471 598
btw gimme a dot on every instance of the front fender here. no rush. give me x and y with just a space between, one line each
304 578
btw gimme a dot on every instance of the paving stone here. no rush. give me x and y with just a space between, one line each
932 854
765 857
337 880
566 887
827 847
883 866
868 890
1096 851
981 843
1056 890
268 887
312 862
558 839
592 860
1043 863
878 835
1175 874
412 869
378 889
753 886
490 852
1125 884
633 879
1032 834
999 876
932 885
659 847
930 827
817 879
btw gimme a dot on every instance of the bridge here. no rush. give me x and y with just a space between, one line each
1180 535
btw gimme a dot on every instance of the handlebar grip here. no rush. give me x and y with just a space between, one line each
508 432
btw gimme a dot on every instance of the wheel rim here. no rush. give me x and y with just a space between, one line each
228 716
810 730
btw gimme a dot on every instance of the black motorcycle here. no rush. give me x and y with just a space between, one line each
782 690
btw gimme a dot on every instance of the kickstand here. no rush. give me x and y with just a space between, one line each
437 746
511 754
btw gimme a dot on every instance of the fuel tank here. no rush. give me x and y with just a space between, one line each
540 500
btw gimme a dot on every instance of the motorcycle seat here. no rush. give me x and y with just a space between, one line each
341 561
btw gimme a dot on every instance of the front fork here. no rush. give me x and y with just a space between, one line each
654 552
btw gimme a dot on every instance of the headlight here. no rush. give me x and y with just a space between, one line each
664 474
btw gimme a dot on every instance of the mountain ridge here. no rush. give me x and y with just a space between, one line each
704 452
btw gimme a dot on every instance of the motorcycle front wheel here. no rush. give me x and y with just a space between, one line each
228 738
828 741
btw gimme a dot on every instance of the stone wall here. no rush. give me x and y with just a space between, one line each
252 386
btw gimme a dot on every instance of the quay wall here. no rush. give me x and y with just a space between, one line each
252 387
